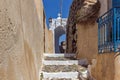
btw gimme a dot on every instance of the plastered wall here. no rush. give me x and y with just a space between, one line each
117 66
104 69
103 66
87 41
21 39
48 41
104 6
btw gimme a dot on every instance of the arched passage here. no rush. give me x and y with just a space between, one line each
59 31
62 38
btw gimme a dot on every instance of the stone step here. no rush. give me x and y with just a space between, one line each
63 67
60 68
60 79
55 58
58 75
59 58
55 62
59 55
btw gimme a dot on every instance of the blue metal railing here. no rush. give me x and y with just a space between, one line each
109 31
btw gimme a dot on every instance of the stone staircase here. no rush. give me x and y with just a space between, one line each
62 67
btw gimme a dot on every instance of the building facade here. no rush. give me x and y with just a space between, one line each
95 30
58 28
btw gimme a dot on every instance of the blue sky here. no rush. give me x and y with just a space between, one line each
52 8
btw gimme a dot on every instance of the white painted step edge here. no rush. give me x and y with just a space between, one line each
53 62
58 55
61 75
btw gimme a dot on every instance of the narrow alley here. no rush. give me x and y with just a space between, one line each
59 39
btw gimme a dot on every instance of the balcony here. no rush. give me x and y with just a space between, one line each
109 31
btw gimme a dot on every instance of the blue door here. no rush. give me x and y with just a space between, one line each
116 3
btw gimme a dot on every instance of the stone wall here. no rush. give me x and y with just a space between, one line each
21 39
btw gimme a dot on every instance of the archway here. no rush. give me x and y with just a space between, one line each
59 31
62 38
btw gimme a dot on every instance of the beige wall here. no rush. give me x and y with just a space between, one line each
104 67
110 4
87 41
21 39
117 66
48 41
87 46
104 6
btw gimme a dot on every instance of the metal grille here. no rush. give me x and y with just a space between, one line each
109 31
